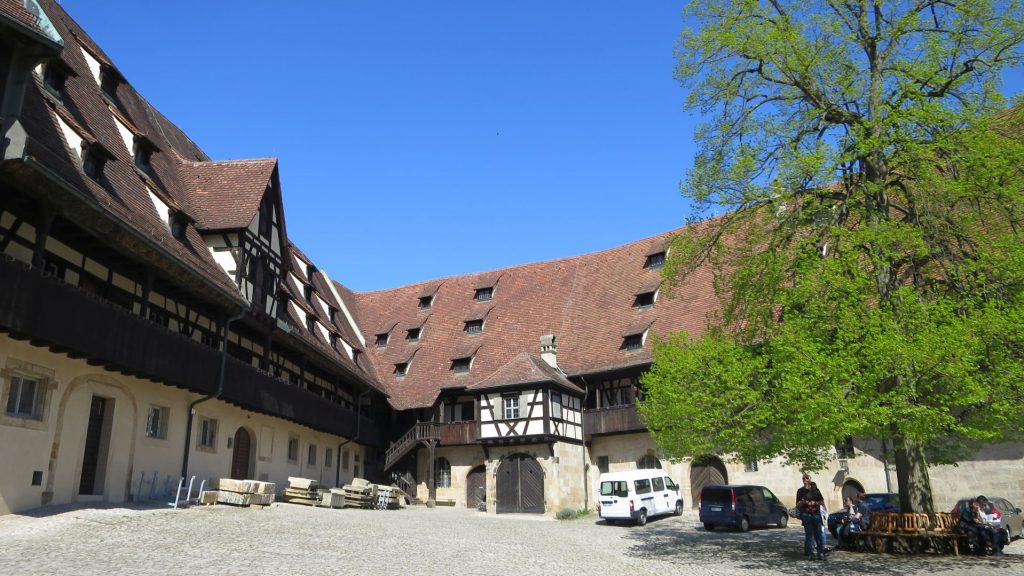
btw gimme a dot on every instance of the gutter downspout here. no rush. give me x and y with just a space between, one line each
214 396
359 429
583 437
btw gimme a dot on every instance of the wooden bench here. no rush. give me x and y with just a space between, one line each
911 532
879 533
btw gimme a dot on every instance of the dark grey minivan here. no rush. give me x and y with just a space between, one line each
740 507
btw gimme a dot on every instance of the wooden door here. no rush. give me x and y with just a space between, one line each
520 485
708 471
476 487
241 455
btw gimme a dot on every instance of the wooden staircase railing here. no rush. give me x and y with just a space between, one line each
420 432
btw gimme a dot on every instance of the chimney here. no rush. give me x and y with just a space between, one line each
549 350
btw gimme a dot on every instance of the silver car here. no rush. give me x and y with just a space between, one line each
1011 515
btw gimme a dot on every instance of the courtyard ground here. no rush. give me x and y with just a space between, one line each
287 539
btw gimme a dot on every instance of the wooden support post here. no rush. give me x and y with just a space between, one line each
431 474
46 215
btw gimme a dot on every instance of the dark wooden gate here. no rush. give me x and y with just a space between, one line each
93 440
520 485
707 471
476 487
241 456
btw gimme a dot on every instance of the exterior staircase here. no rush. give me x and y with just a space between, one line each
421 433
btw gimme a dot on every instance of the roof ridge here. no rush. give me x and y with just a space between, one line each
525 265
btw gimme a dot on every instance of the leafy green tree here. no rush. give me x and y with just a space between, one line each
864 182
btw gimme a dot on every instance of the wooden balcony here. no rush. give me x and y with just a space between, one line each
617 419
460 433
48 312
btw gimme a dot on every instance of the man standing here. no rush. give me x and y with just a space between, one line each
809 501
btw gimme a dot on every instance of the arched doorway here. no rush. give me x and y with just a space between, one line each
476 486
241 455
520 485
705 471
851 488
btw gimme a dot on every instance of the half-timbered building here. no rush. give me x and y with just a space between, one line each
156 321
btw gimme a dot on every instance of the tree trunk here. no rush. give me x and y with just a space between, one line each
912 475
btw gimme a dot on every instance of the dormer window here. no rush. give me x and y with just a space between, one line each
401 369
484 294
94 158
55 78
310 270
334 342
307 292
633 342
461 365
109 81
355 356
332 314
178 225
382 340
142 153
644 300
426 302
655 261
412 335
474 326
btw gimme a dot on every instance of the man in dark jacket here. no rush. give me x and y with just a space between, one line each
809 501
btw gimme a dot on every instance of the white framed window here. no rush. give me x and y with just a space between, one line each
156 422
311 455
23 398
511 407
207 434
25 391
556 405
329 458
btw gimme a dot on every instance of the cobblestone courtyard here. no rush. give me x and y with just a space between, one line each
289 539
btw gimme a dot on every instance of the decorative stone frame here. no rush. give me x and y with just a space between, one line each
46 384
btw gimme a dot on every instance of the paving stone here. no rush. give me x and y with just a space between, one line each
299 540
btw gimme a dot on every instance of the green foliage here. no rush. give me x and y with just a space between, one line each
571 514
867 188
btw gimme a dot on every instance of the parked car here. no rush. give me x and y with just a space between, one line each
876 501
740 507
1011 515
637 495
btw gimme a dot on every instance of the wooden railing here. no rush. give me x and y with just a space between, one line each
459 433
421 431
612 420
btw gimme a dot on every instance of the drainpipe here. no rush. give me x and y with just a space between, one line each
214 396
583 437
359 428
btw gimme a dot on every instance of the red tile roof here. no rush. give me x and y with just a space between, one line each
586 301
525 368
226 195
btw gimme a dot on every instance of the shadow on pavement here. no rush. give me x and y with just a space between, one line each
781 550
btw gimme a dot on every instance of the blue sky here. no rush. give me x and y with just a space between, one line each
424 139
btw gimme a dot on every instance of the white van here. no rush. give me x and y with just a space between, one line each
637 495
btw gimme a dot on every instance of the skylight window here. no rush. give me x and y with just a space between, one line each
474 326
484 294
382 340
461 365
426 302
401 369
655 261
412 335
